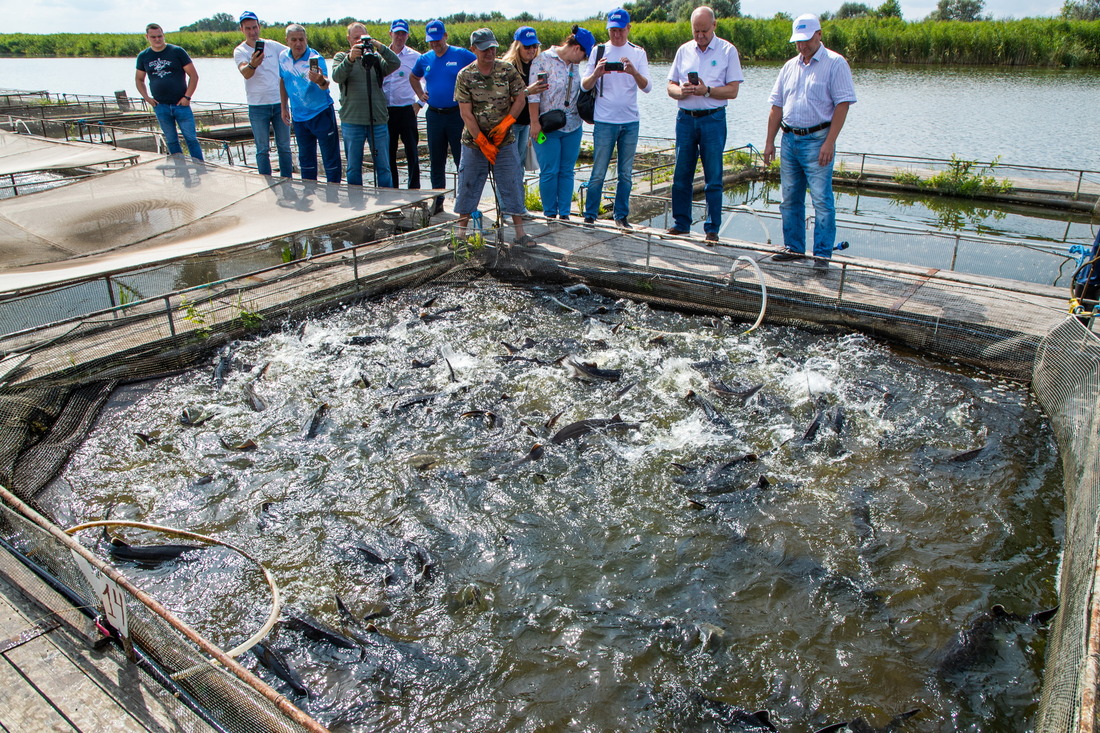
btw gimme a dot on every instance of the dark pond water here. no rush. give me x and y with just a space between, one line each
811 549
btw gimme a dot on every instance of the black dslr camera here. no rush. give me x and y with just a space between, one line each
370 57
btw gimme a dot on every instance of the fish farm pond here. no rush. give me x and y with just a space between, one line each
522 509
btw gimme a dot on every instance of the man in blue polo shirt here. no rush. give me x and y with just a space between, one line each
439 68
172 80
303 84
705 75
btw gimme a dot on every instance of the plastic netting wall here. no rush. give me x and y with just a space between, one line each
1067 383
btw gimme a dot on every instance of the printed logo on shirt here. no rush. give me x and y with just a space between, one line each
160 67
451 63
714 62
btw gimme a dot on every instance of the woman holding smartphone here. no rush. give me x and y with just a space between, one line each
555 123
524 49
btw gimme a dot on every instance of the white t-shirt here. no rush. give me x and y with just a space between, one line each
619 102
263 87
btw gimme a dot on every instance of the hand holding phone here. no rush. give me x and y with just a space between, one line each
315 65
613 66
260 45
693 78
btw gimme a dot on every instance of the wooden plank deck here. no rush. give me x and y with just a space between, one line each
51 679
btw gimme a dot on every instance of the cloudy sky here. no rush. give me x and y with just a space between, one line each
130 16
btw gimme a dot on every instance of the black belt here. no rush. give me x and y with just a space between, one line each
401 106
804 130
702 112
443 110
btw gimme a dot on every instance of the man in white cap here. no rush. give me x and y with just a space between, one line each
618 69
811 124
403 105
258 61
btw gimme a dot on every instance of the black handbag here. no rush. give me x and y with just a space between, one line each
552 120
586 101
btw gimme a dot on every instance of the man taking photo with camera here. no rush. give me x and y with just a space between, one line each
364 113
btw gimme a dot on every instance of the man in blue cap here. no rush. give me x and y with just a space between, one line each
438 69
403 105
618 70
258 61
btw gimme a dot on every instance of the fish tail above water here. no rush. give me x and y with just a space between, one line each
275 663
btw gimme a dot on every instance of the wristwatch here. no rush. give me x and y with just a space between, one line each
707 92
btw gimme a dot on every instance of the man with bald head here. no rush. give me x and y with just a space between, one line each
364 113
810 102
705 75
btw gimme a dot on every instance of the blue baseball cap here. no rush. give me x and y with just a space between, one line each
585 38
248 15
435 30
526 36
618 18
399 25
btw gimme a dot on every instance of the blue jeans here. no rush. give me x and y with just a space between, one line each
698 137
318 131
444 130
264 119
798 169
557 167
507 172
169 115
523 134
605 136
354 138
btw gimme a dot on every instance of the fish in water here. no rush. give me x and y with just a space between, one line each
362 340
977 642
309 430
255 402
490 417
966 456
536 452
375 611
513 350
146 439
278 666
583 427
245 446
415 400
720 477
589 370
314 629
811 429
745 393
149 556
713 416
440 314
192 417
860 508
860 725
626 389
417 364
731 717
221 370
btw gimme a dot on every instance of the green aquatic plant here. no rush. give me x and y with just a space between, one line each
249 318
195 317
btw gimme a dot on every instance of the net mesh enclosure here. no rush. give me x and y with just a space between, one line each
56 372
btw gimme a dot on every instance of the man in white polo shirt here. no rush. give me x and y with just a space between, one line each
622 69
260 69
403 105
705 75
811 124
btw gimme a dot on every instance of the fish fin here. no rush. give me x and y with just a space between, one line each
765 719
830 728
1042 617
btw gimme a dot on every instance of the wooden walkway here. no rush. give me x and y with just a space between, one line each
52 679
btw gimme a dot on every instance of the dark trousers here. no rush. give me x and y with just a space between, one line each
403 125
444 129
319 132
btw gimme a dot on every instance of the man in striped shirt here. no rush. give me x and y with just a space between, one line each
810 102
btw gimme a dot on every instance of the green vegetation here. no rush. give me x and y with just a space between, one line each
876 38
968 11
249 318
1083 10
962 178
531 198
193 315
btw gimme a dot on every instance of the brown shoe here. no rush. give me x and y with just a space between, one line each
677 232
712 237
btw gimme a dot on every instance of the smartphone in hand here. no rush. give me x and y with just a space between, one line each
315 65
693 78
613 66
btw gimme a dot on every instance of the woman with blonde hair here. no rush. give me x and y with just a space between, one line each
554 115
524 49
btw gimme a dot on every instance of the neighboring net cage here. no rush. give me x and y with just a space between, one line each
1066 382
235 702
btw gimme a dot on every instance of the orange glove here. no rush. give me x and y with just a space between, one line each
487 148
498 133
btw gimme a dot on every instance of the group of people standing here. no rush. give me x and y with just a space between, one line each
485 111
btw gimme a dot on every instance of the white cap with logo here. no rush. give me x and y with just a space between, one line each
805 26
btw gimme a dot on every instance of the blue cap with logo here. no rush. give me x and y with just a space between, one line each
435 30
399 25
248 15
585 38
618 18
526 36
